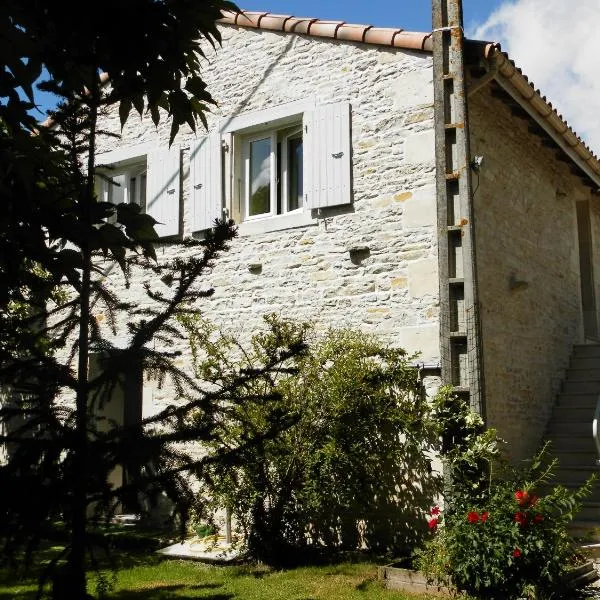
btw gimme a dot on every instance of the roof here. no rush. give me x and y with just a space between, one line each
337 30
507 74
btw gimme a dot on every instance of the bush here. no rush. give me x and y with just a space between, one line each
350 471
500 536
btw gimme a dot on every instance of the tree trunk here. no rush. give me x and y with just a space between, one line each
71 582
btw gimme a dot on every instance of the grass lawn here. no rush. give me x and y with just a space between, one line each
153 579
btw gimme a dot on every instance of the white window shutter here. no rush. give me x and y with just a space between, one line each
163 189
327 157
206 176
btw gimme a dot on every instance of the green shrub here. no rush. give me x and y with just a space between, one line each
504 532
350 470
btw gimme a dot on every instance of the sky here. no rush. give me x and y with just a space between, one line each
554 42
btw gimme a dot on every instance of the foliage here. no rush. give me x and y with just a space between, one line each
351 470
503 534
58 244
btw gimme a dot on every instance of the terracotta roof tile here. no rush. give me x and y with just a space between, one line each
381 36
338 30
352 32
324 28
295 25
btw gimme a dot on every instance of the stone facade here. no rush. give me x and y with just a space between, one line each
527 268
308 272
373 264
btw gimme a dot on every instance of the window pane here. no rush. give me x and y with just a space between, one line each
295 191
260 177
132 191
142 199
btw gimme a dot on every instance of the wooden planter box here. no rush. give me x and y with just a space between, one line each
395 577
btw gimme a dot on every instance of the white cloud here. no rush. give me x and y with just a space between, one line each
557 45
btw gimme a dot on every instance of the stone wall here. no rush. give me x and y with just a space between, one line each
307 272
527 268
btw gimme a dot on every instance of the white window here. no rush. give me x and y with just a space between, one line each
272 173
123 185
148 176
273 166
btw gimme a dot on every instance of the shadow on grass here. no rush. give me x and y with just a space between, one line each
168 592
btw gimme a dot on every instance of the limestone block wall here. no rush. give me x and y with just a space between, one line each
307 272
527 268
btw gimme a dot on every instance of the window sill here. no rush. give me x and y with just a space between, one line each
291 221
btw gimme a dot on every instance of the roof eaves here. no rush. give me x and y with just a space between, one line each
336 30
515 83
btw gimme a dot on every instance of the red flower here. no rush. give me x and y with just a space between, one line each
521 497
516 553
432 523
473 517
435 511
484 516
521 518
538 517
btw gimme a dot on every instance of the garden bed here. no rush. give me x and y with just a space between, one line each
396 576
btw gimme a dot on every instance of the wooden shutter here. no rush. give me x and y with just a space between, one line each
163 189
327 157
206 181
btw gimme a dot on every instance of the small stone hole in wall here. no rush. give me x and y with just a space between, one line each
255 268
515 284
359 253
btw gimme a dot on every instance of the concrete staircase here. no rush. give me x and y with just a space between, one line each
570 433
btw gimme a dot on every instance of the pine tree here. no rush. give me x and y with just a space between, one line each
53 233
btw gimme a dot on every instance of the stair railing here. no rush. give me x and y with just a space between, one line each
596 430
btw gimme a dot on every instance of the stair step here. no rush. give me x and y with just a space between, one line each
585 362
591 386
587 531
578 400
561 442
578 371
570 458
590 513
575 475
573 413
593 497
574 428
586 350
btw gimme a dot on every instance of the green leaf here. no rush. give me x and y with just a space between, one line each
174 130
124 110
138 103
155 113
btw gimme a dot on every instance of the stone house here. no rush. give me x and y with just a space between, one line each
402 183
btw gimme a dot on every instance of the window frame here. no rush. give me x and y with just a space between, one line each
163 180
135 170
326 150
279 167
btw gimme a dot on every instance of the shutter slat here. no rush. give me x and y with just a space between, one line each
328 153
163 189
206 181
